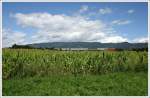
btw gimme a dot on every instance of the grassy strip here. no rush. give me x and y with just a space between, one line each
116 84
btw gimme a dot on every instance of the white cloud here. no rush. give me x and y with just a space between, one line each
84 8
130 11
105 11
62 28
121 22
9 38
141 40
114 39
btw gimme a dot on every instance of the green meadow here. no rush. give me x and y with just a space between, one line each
94 73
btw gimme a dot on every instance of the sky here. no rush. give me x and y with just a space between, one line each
111 22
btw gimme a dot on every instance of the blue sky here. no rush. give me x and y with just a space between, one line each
25 23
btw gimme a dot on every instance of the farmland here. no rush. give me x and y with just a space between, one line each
47 72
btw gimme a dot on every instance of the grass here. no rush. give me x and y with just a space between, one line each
113 84
54 73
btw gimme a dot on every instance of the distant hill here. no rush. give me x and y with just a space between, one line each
124 45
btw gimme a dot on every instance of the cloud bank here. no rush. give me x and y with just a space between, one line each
63 28
141 40
11 37
54 28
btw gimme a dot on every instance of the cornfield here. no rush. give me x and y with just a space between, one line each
34 62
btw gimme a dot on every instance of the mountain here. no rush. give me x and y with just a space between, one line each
124 45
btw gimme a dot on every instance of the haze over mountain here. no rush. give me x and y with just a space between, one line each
124 45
